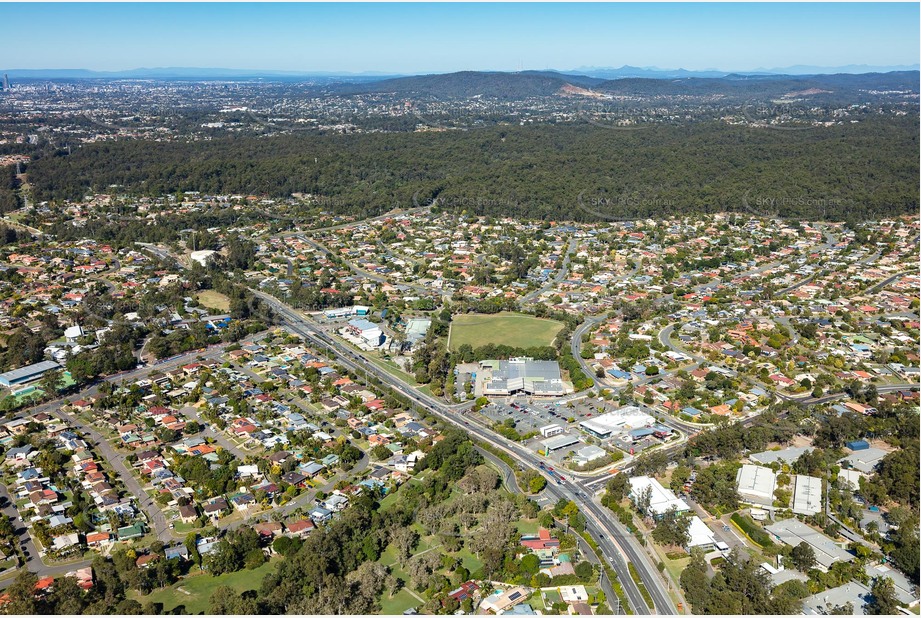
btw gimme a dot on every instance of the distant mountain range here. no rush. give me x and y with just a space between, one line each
800 69
818 88
465 84
581 74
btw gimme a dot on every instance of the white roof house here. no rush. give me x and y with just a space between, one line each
72 333
661 499
701 534
807 495
756 484
573 594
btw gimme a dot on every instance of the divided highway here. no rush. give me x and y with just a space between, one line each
615 542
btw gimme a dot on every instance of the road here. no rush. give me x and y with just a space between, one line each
882 284
576 347
561 274
101 445
341 226
34 562
713 284
209 432
421 289
155 517
511 483
612 537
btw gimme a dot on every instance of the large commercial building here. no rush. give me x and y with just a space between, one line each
522 375
864 460
368 331
346 312
821 603
203 257
617 422
29 373
792 532
756 484
416 329
807 495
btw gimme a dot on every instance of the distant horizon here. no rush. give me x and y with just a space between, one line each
435 38
793 70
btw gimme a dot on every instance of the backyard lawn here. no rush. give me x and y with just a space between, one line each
527 527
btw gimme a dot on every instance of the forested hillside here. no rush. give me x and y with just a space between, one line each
859 170
843 88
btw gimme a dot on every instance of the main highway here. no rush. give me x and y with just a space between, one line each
617 545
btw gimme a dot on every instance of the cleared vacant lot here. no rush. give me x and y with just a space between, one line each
214 300
512 329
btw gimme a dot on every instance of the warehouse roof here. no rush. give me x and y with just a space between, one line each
28 371
560 441
528 369
793 532
807 495
787 455
854 593
618 420
865 460
700 533
756 483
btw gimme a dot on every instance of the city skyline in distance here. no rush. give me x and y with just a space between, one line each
414 39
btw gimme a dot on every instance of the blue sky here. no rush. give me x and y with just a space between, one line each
420 38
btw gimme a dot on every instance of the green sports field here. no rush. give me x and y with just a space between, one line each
512 329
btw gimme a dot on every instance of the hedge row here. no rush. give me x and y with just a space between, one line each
752 530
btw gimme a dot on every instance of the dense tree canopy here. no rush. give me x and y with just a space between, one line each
579 172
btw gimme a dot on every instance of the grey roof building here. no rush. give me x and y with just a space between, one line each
822 603
536 377
792 532
807 495
787 455
864 460
27 373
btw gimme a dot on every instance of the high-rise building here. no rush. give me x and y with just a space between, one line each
6 81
